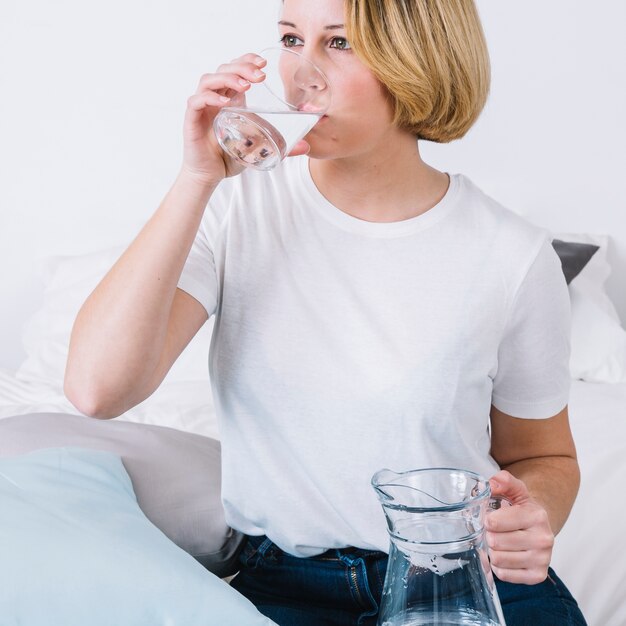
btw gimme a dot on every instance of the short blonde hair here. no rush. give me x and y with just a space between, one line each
431 55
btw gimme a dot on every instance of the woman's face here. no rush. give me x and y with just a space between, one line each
360 113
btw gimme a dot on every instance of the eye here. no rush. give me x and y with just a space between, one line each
289 41
341 43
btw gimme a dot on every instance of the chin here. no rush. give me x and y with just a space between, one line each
326 143
324 147
322 155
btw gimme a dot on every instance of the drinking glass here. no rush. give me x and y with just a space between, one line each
261 126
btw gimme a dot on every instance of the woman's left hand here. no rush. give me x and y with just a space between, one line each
519 537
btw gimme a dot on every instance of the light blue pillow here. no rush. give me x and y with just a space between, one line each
76 550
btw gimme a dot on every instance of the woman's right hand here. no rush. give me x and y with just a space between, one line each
202 156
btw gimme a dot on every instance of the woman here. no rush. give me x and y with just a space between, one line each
371 312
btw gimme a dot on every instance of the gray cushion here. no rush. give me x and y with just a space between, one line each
574 256
176 476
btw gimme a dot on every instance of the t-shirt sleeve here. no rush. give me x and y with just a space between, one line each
199 275
199 278
532 379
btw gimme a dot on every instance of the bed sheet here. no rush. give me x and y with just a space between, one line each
588 551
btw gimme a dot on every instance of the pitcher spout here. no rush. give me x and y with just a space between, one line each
380 480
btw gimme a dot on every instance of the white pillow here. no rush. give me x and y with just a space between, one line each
68 280
67 283
598 340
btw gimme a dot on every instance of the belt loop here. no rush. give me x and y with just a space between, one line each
265 545
268 550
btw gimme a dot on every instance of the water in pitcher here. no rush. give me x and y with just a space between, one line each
438 571
262 138
462 618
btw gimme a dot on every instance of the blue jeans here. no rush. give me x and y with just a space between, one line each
343 588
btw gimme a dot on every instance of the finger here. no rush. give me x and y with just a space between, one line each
518 517
532 576
197 106
301 147
515 540
221 82
249 71
511 560
505 484
539 543
521 541
508 520
198 102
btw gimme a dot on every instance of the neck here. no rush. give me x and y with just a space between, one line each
389 183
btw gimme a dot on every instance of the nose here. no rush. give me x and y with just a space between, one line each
309 77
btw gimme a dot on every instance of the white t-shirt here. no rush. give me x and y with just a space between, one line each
342 346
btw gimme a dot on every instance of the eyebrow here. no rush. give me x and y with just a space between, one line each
329 27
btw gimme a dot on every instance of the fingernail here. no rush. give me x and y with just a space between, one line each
258 73
224 99
244 82
260 61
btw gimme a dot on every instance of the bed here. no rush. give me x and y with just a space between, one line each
35 418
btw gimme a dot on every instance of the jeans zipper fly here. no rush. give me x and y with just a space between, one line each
355 582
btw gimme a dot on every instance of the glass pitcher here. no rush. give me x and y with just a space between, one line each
438 571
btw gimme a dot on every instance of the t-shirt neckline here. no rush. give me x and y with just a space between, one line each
377 229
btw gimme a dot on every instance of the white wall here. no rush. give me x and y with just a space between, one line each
550 143
92 97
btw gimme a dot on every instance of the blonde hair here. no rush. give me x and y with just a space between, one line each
431 56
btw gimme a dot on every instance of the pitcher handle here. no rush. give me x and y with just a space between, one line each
498 502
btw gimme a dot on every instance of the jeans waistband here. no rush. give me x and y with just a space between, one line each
265 546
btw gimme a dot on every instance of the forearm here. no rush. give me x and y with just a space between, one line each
116 347
552 482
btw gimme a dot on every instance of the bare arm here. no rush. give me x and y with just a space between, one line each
540 476
543 455
136 322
